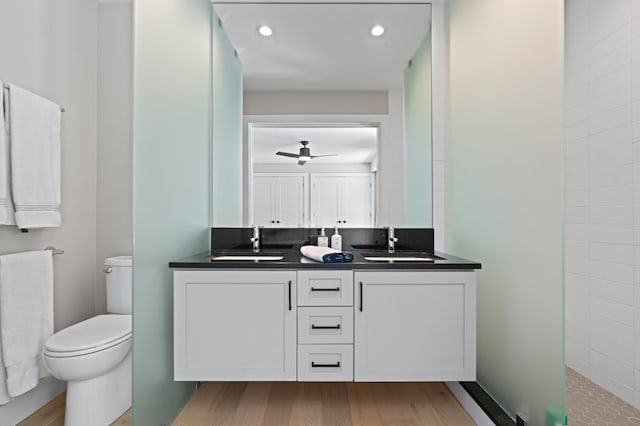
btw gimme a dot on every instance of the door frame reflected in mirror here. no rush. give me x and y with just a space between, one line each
251 122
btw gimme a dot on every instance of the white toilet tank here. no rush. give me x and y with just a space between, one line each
118 271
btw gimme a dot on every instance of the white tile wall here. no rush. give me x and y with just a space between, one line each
602 184
437 106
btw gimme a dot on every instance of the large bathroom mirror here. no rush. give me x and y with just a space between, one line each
335 115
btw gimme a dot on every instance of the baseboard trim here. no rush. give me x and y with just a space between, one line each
25 405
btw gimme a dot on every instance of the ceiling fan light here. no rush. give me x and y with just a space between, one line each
304 158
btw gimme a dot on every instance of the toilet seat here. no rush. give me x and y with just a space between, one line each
93 335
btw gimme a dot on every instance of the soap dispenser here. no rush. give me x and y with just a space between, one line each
323 240
336 240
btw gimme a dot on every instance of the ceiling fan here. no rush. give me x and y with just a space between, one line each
304 155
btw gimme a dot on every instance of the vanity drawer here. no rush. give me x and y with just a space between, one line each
325 288
330 324
333 363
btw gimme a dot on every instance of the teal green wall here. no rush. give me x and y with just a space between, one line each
504 192
226 131
171 152
418 176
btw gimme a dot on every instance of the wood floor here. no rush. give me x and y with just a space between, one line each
52 414
304 404
293 403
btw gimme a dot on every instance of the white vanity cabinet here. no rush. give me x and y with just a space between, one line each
415 326
235 325
324 325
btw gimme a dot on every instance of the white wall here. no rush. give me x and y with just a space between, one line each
314 102
390 179
115 70
50 48
602 171
437 120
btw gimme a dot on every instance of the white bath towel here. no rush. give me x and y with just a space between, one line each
316 253
35 159
6 204
26 316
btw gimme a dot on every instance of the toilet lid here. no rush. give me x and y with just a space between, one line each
94 332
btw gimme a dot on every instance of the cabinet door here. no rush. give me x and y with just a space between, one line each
325 201
262 201
415 326
289 201
235 325
356 200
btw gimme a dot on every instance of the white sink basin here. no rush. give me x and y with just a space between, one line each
398 259
248 257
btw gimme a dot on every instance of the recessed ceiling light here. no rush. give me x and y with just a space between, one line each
265 30
377 31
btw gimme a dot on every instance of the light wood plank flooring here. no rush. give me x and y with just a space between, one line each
52 414
292 403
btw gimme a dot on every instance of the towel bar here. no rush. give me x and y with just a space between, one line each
54 250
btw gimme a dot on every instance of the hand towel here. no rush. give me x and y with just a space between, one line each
6 204
35 159
4 392
326 254
26 316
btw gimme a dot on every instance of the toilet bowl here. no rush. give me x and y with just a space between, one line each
94 357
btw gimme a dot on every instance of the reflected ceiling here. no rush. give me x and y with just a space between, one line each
352 144
324 46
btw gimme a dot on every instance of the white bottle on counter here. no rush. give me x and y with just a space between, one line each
336 240
323 240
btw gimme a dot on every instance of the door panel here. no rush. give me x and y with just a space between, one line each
233 325
413 326
325 201
289 205
262 204
356 202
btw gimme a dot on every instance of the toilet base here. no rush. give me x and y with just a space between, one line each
101 400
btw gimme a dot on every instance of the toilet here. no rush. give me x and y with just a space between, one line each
94 356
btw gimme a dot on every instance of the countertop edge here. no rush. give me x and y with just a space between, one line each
293 261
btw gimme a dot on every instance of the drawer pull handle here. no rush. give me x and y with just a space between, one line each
336 365
325 327
361 296
325 289
289 294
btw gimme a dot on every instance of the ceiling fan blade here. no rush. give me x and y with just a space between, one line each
301 163
287 154
326 155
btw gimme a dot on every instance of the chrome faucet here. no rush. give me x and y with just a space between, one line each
256 239
391 233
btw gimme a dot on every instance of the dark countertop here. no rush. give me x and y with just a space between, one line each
294 260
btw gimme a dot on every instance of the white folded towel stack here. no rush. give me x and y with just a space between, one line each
6 204
35 159
26 317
